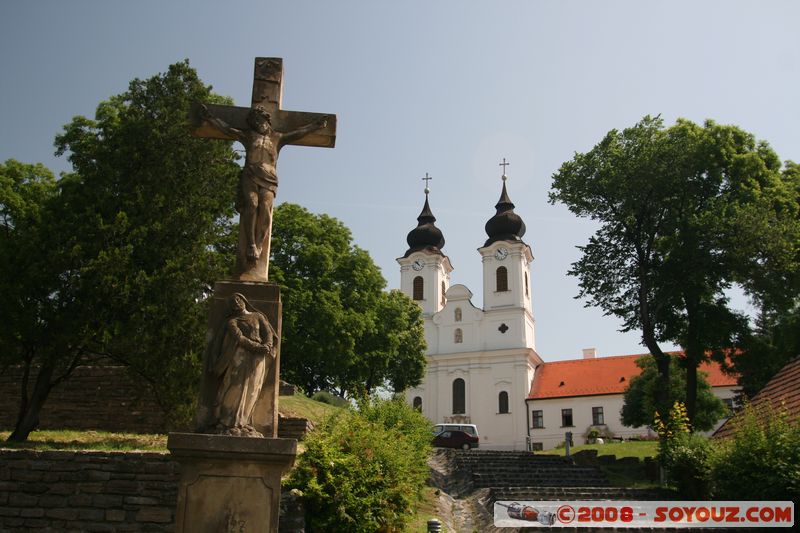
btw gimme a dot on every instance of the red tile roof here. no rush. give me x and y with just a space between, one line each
782 392
602 375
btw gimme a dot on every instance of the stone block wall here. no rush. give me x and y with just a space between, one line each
87 491
293 428
97 491
101 397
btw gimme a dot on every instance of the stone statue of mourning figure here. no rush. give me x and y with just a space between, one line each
237 360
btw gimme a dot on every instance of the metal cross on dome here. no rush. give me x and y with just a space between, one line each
504 164
426 179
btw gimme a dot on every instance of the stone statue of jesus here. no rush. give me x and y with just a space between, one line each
258 181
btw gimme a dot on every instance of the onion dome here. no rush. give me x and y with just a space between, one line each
505 225
426 236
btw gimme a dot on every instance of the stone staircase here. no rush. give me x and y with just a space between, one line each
495 469
578 493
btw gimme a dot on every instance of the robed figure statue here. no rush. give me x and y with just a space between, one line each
237 360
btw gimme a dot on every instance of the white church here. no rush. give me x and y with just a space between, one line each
482 364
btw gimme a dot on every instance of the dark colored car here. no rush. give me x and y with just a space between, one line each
455 439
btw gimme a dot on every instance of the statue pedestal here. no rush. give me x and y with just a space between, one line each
229 483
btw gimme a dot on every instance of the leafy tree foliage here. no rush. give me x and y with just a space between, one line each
340 330
774 343
775 339
31 325
685 213
364 470
761 460
125 248
639 407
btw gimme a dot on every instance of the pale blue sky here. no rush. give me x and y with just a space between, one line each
445 87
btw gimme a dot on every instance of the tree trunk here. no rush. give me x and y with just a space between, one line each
694 355
691 391
31 406
662 359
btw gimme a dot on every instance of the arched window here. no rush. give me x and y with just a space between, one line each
502 402
526 285
417 403
458 314
459 403
502 279
458 336
419 286
444 300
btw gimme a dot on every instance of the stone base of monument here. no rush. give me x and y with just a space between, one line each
229 483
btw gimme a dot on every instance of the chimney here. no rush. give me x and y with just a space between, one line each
589 353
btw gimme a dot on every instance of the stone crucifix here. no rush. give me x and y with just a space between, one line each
263 128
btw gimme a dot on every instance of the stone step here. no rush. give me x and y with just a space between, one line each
579 493
490 468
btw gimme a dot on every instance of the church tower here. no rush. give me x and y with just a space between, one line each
506 272
424 269
480 362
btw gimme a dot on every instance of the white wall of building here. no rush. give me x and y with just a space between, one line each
485 377
553 432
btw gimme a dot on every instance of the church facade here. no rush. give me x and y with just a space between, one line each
482 364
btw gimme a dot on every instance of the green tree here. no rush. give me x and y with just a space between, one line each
639 407
128 246
776 336
31 327
775 341
340 332
685 213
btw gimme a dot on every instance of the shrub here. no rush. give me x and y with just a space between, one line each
686 460
364 469
331 399
761 461
684 455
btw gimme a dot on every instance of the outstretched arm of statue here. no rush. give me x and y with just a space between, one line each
291 136
218 123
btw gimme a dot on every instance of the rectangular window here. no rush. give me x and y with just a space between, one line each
597 416
729 404
537 419
566 418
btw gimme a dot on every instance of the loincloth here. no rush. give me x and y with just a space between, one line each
260 177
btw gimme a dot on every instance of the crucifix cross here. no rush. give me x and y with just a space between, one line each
263 128
504 165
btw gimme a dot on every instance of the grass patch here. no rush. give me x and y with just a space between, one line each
626 473
639 449
297 405
303 407
88 440
426 509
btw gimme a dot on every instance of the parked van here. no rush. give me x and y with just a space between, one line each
471 429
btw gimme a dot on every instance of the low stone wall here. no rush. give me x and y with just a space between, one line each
629 466
108 397
293 428
88 491
102 397
95 491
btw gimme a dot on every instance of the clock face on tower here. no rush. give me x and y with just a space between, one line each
417 265
501 253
